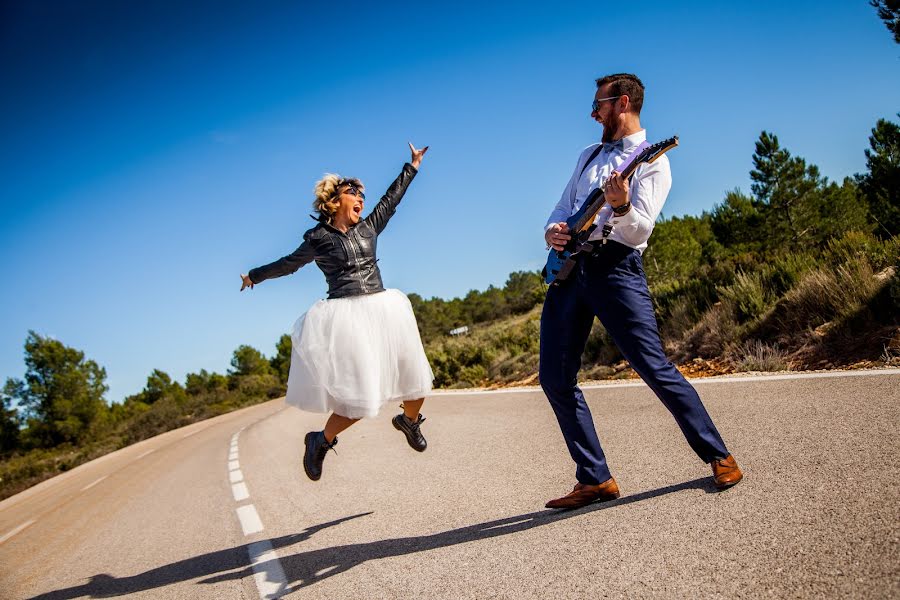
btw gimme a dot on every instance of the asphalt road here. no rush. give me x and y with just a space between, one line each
222 509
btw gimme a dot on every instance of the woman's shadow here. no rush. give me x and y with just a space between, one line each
303 569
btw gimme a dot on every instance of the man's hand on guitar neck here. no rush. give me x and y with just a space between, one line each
617 192
557 235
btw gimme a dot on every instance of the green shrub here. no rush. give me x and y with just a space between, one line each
747 295
786 271
855 246
472 375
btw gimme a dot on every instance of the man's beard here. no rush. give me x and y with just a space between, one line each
609 133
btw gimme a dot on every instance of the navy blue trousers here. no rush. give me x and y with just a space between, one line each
612 287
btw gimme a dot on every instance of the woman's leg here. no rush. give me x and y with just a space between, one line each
336 424
411 408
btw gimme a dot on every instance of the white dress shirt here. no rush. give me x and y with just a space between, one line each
650 185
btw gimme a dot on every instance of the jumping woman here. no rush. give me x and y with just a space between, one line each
360 348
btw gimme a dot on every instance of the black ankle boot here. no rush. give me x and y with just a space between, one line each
316 449
411 428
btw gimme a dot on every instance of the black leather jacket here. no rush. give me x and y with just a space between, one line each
347 259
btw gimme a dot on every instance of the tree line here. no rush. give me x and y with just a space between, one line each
62 398
57 416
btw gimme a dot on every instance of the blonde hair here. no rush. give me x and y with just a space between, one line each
328 192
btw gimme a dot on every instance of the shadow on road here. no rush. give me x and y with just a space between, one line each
221 561
307 568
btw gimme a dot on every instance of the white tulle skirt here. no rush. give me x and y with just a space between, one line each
353 355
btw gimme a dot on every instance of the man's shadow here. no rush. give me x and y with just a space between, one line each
304 569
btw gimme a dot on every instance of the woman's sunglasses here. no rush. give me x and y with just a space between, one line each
355 192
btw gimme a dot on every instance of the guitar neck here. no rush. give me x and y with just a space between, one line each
597 198
592 206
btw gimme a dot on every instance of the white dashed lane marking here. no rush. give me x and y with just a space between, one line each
250 521
239 490
267 571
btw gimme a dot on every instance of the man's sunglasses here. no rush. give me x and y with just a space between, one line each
355 192
599 101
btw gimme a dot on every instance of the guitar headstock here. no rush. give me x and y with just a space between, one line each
658 149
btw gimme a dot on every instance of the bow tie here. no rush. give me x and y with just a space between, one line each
617 145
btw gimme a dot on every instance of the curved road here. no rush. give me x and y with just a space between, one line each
221 509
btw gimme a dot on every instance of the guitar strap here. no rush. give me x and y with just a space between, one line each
587 246
584 168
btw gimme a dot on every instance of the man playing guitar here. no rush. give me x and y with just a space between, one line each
609 283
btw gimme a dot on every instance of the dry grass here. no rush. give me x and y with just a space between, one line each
683 316
755 355
715 332
826 294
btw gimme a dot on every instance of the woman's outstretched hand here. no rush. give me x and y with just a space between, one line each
417 155
245 282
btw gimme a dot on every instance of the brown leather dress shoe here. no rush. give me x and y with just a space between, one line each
583 495
726 472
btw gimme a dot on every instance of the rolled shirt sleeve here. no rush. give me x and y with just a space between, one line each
649 188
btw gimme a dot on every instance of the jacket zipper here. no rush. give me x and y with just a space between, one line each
358 266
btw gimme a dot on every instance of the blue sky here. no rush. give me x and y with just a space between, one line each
151 152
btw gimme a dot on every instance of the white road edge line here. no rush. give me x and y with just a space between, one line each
270 578
234 465
18 529
198 430
694 381
90 485
146 453
235 476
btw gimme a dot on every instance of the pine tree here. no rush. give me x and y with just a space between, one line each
881 185
889 11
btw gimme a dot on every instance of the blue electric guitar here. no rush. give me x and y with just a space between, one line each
581 225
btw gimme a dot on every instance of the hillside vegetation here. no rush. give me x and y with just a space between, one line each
800 274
